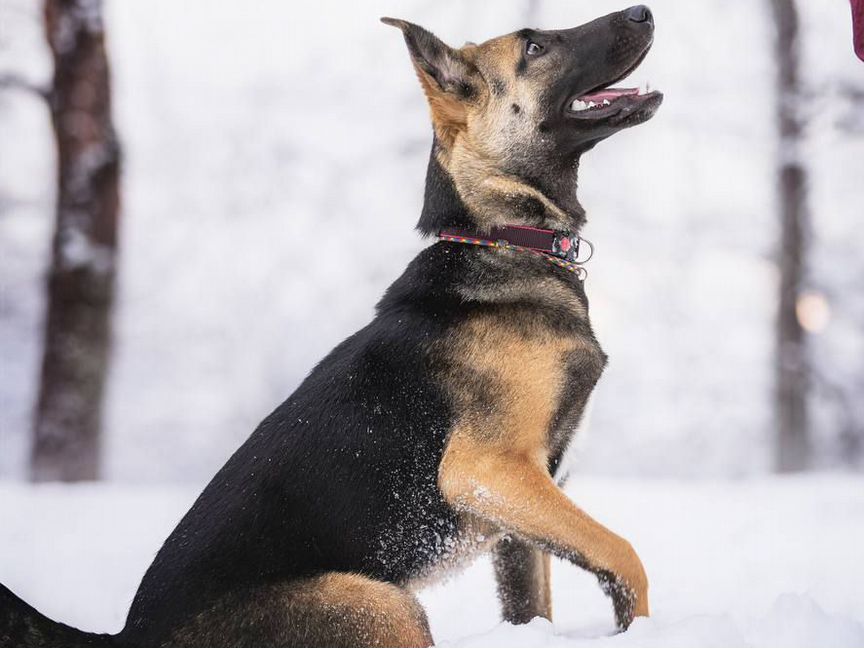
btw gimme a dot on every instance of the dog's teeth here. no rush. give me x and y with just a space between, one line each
606 102
591 104
578 105
645 88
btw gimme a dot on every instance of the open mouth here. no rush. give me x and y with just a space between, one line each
609 101
606 101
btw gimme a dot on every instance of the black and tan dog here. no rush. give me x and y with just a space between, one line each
436 431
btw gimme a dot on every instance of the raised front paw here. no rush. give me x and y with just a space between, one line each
628 589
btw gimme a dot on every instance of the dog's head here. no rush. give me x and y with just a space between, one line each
513 115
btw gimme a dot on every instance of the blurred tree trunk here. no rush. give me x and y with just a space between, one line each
791 361
67 424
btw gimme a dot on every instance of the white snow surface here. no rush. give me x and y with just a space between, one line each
773 563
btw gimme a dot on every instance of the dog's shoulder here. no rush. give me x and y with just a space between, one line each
522 357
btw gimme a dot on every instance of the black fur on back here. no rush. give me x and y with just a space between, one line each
341 476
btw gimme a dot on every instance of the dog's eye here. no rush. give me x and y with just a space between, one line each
533 49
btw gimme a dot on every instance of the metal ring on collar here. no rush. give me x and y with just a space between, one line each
590 250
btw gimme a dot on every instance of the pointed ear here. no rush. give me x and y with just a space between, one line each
449 80
442 65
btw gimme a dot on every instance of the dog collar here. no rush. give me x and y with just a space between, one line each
558 247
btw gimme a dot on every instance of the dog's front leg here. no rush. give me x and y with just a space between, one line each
515 491
522 574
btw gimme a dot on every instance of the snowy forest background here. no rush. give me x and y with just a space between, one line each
248 136
250 133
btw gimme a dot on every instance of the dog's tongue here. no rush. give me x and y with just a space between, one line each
609 94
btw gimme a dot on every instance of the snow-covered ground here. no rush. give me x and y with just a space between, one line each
773 563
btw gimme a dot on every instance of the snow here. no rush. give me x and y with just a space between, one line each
769 562
252 136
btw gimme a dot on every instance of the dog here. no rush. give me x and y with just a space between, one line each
436 432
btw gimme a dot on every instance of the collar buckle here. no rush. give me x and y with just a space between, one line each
567 246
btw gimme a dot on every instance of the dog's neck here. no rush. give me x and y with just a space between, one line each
490 200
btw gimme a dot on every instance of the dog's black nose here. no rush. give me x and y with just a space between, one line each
639 14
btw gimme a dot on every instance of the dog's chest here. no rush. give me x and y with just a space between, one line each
521 384
580 372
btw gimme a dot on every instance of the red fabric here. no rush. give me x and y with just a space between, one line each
858 27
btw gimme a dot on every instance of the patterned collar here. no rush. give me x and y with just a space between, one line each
560 248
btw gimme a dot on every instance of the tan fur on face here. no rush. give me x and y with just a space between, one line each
449 113
494 131
479 136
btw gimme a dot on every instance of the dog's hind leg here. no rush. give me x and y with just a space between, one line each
332 610
522 574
